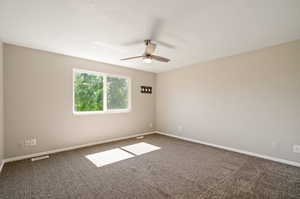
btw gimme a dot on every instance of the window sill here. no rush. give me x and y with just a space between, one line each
101 112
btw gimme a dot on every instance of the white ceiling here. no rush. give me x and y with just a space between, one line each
199 30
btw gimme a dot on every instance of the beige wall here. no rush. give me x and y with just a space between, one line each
1 105
249 101
38 101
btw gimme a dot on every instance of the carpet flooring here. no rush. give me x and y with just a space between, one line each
179 169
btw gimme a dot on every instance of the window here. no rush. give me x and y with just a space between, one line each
117 93
96 92
88 92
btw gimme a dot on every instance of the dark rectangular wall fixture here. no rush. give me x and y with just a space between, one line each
146 89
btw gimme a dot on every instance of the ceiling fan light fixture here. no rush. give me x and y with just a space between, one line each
147 60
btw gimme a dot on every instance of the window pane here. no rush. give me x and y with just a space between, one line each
117 93
88 90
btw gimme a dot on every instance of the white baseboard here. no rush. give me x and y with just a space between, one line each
73 147
1 165
296 164
148 133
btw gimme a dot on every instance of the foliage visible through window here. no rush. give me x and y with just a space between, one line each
117 93
89 96
88 92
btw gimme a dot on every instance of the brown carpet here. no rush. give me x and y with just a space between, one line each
178 170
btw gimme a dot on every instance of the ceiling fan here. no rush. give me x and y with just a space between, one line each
148 56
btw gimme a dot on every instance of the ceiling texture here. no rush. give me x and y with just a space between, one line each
192 31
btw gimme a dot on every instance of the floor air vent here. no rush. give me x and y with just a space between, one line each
40 158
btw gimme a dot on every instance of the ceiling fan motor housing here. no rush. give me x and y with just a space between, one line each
150 47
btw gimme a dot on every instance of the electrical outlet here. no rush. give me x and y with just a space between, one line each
296 148
30 142
33 142
150 125
27 142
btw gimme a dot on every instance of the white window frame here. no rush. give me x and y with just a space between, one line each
105 110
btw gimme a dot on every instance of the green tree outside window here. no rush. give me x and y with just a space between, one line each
89 92
117 93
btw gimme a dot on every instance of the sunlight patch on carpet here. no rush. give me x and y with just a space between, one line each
140 148
115 155
108 157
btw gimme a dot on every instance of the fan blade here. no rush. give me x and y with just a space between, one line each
131 43
158 58
129 58
156 31
165 44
